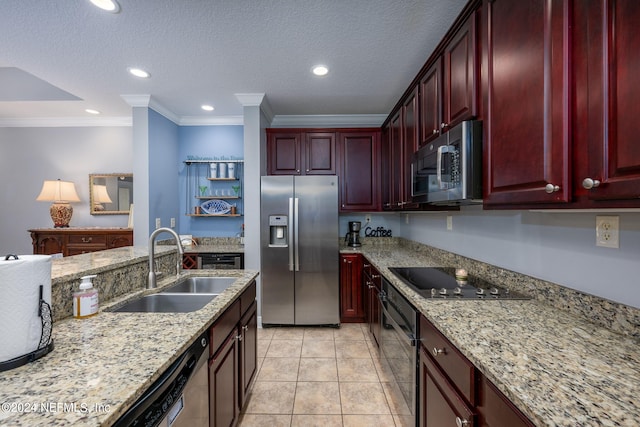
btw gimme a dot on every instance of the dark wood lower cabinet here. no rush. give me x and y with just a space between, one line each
223 384
440 402
453 392
495 410
248 352
233 361
351 298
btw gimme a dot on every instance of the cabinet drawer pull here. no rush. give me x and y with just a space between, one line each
437 351
87 239
589 183
550 188
461 423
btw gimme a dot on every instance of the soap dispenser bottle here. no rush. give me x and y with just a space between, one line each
85 301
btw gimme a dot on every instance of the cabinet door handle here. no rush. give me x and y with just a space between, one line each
461 423
437 351
434 131
239 337
245 328
589 183
550 188
444 125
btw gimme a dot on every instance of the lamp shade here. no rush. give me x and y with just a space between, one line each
100 194
58 191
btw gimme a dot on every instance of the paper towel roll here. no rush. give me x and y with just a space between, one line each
20 325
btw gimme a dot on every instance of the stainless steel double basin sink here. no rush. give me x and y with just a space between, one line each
190 294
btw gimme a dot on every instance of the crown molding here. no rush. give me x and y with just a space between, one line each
256 100
212 121
329 120
53 122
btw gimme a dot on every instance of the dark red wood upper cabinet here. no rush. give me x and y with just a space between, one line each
525 72
283 153
385 168
410 139
320 153
431 103
460 100
397 166
610 29
359 170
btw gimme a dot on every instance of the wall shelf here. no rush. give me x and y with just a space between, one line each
202 186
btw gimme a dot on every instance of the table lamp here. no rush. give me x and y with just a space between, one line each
60 193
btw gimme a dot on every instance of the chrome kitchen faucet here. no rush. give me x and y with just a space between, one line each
151 284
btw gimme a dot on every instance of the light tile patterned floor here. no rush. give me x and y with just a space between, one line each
322 377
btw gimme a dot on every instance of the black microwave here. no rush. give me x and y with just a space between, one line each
448 171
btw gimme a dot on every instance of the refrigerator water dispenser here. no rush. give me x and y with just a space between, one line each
278 231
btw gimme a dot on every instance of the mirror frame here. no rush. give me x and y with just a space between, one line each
93 211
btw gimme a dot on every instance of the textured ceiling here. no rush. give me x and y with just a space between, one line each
205 51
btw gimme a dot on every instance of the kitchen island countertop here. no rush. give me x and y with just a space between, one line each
101 365
558 368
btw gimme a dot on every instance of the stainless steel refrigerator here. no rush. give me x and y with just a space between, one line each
299 250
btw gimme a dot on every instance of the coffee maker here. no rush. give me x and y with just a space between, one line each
353 236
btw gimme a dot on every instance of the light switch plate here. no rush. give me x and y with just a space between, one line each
608 231
158 223
449 222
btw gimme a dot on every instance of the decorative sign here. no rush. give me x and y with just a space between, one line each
378 232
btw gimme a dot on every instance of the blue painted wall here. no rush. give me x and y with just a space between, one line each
207 141
163 168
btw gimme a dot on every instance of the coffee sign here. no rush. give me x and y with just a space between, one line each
377 232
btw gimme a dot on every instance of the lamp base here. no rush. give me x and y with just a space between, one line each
61 214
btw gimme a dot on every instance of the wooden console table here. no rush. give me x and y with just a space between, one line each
77 240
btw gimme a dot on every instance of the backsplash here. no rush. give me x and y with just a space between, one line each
119 271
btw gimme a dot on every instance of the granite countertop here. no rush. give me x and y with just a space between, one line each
213 248
102 364
558 368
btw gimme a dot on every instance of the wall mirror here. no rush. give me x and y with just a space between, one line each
110 193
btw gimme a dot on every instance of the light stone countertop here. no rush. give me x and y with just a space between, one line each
102 364
558 368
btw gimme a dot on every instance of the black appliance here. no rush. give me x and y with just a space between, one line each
180 397
399 344
221 261
353 236
441 282
448 171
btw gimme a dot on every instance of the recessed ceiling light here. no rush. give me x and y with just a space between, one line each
92 111
320 70
108 5
138 72
206 107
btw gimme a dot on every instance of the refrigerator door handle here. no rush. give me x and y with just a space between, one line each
291 242
295 237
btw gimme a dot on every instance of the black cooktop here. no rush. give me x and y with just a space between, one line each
441 282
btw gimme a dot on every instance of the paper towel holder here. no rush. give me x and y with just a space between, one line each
46 342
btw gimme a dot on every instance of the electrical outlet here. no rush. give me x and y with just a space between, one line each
406 218
173 223
608 231
367 218
158 223
449 222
